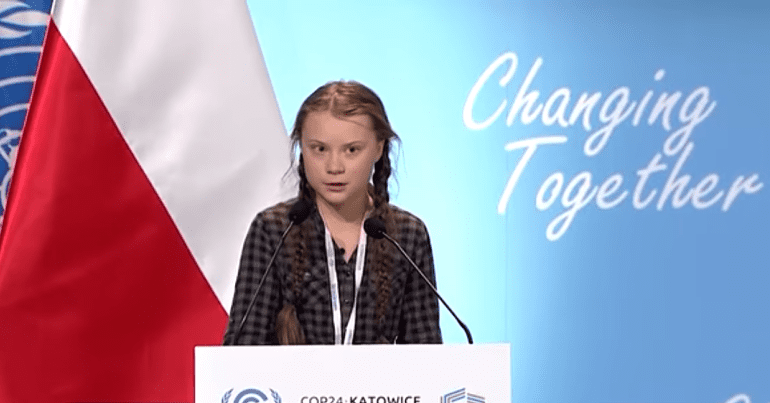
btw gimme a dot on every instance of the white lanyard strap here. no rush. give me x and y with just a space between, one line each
334 286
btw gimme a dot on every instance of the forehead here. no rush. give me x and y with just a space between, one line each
326 128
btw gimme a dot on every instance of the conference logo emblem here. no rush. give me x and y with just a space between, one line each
251 395
21 34
460 395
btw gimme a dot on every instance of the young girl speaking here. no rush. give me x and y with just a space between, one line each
331 283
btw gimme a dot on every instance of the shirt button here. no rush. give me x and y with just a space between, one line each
346 301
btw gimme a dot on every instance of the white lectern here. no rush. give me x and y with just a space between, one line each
353 374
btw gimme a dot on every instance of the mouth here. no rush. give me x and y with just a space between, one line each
335 186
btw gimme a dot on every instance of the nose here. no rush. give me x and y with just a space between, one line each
334 164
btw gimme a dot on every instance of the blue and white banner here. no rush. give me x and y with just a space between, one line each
593 176
22 27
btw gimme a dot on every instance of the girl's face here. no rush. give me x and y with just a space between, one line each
339 155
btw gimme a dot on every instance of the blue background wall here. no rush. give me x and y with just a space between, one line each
629 303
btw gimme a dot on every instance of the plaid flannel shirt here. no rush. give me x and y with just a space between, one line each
412 314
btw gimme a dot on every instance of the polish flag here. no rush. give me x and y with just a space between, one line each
153 138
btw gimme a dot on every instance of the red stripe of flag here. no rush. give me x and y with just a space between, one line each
100 298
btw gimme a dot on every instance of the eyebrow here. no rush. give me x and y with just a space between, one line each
352 143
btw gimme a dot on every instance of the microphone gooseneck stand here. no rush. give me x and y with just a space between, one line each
298 213
376 229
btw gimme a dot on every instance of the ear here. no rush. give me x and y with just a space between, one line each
380 148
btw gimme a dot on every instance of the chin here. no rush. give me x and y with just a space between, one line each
334 198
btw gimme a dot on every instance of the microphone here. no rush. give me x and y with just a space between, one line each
376 229
300 211
297 214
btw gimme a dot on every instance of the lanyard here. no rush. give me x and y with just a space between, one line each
334 286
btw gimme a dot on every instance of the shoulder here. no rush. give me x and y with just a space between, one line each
275 217
277 211
412 233
403 216
406 223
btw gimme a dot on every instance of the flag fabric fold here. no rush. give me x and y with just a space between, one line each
152 139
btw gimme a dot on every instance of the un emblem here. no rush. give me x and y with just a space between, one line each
21 34
252 395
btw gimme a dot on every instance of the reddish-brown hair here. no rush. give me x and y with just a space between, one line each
341 99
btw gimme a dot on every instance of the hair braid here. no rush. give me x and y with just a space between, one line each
288 329
305 191
381 175
383 255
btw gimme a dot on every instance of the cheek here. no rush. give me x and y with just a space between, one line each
365 167
311 170
374 158
356 171
364 162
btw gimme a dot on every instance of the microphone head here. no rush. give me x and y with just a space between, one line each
299 211
374 228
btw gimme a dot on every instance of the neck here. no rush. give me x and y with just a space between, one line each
352 211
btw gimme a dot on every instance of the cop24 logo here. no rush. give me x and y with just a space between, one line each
251 395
